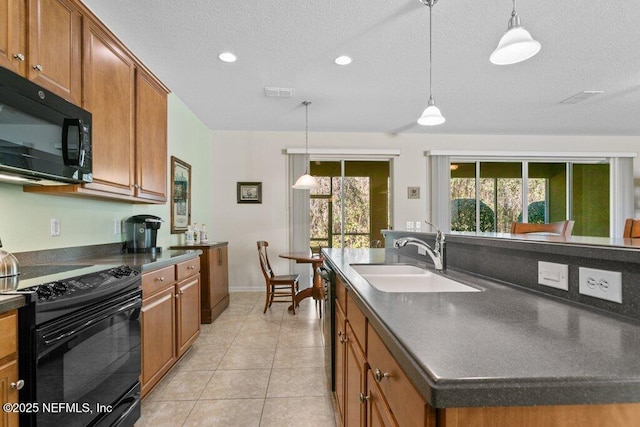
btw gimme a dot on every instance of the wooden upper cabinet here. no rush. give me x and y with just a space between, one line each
151 138
54 40
13 33
109 95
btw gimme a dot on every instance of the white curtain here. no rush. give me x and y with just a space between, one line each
622 193
440 175
299 217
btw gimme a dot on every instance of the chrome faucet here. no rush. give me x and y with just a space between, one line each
437 254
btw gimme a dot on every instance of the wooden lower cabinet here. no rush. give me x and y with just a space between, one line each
170 318
158 337
378 412
340 355
9 365
355 382
214 272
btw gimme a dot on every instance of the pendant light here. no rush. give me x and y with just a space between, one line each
431 116
516 45
306 181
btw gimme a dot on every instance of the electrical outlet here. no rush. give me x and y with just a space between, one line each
55 227
553 275
603 284
409 225
418 226
117 226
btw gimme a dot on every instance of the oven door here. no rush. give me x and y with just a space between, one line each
87 362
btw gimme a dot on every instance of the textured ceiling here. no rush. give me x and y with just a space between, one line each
285 43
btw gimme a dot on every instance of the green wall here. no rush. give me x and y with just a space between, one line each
25 217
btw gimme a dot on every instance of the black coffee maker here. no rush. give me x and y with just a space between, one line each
142 232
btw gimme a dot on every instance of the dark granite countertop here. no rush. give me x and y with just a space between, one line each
504 346
144 262
10 302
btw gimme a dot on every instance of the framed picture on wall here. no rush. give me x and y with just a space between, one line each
180 195
249 192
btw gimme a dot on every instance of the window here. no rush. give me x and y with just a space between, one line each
489 195
359 190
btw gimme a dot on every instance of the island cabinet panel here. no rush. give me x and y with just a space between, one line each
613 415
54 41
340 340
355 381
109 81
150 139
9 366
406 404
188 315
358 323
341 294
378 412
13 40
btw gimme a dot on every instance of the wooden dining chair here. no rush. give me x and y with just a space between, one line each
562 228
631 228
282 288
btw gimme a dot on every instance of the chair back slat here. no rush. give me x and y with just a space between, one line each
267 271
631 228
562 228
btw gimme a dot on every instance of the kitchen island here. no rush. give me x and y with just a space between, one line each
526 355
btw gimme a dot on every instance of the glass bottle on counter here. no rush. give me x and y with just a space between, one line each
204 237
196 234
188 236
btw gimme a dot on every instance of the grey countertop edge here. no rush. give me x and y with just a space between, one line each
200 245
165 262
9 302
489 392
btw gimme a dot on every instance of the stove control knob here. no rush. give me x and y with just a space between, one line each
59 288
44 292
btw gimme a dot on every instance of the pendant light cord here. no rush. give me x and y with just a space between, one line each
430 49
306 132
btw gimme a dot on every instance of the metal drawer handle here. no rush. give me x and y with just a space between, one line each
37 67
176 296
159 279
18 385
363 398
18 56
191 267
379 375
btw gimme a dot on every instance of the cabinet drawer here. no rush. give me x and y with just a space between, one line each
8 334
358 323
188 268
405 403
157 280
341 294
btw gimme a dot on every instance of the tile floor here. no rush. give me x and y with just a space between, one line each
248 369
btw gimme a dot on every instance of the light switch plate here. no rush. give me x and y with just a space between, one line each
55 227
553 275
603 284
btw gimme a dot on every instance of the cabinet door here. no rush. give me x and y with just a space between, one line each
355 382
151 139
109 95
8 394
13 30
54 57
378 412
158 337
188 314
340 349
220 287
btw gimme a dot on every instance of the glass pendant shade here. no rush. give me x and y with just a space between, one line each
516 45
431 116
305 182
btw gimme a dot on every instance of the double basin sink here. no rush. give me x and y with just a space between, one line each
408 278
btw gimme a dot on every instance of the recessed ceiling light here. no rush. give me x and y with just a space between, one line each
227 57
343 60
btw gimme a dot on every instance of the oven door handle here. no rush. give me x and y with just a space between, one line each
92 321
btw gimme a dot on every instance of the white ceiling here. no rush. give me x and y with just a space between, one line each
586 45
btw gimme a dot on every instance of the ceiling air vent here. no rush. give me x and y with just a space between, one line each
279 92
581 96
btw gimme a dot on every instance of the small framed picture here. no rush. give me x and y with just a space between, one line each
249 192
413 192
180 195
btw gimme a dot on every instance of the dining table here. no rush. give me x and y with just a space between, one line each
316 291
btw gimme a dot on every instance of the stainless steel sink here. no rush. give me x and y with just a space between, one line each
408 278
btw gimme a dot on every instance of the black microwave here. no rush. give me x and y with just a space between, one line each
44 139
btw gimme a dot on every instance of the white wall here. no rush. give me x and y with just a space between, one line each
259 156
24 217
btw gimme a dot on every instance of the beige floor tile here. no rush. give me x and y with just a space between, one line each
302 382
236 413
297 411
298 357
164 414
237 384
202 357
248 358
182 385
300 338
